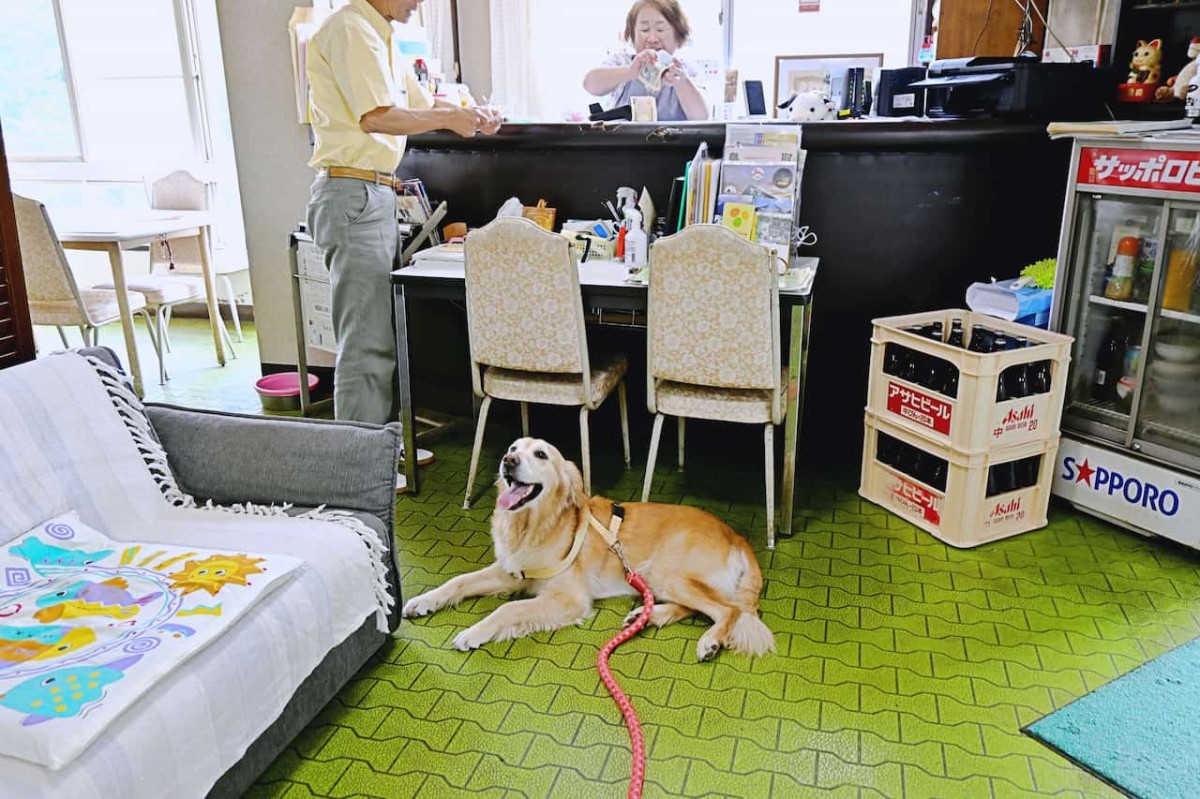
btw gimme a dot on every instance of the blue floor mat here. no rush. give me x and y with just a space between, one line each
1140 732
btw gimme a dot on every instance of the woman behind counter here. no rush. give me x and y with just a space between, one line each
651 26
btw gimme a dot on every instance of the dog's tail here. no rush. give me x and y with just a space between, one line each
747 632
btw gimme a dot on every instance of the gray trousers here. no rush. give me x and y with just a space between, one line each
354 224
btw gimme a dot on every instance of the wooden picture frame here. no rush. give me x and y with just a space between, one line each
806 72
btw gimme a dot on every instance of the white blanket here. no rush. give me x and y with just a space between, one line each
88 626
64 446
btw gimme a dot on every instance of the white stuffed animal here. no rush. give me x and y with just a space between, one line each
812 106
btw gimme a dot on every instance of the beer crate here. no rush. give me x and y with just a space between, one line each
973 421
957 507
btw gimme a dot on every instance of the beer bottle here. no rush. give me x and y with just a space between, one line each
934 377
936 331
1002 387
1027 471
1039 379
937 474
950 387
956 333
1018 384
891 359
910 367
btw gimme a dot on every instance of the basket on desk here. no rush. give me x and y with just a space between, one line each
540 214
591 248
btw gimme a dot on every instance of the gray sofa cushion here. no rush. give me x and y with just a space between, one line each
233 458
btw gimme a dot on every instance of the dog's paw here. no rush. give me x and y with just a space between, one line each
633 616
471 638
707 648
421 605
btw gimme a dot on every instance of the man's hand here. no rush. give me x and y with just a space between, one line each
492 120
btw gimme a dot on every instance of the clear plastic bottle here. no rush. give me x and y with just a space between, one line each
1120 283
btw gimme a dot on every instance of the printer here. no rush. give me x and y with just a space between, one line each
1014 88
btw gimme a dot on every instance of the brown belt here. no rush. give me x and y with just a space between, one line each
382 178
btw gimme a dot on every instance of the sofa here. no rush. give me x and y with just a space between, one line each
229 459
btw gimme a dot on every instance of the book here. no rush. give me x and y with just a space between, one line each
1116 126
740 218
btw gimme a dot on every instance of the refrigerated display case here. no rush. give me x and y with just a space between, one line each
1126 290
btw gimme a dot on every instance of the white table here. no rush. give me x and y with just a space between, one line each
115 232
603 285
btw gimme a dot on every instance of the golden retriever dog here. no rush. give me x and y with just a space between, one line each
692 561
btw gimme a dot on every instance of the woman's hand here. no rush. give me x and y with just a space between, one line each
643 59
676 74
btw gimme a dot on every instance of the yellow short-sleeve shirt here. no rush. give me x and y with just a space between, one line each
352 69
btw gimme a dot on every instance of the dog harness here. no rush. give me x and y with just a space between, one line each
609 534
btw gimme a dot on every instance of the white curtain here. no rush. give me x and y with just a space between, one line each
438 23
513 84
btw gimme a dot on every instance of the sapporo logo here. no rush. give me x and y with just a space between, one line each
1131 490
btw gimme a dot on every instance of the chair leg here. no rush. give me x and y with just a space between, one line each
165 330
525 419
63 335
483 412
769 446
87 338
228 341
154 324
653 456
681 429
624 419
231 298
586 447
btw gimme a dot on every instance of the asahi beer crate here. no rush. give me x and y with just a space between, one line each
963 499
1002 385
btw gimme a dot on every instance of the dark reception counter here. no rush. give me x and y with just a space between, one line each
907 214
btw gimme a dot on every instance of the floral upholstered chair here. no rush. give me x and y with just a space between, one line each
713 339
526 330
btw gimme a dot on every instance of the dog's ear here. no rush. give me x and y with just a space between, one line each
573 480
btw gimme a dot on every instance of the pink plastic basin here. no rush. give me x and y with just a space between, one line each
281 391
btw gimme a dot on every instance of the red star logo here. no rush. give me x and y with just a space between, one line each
1085 474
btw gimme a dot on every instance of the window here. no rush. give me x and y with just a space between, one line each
35 95
568 39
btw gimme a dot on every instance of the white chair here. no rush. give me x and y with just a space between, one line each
54 297
526 331
180 258
713 340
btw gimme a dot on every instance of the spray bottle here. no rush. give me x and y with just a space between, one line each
637 246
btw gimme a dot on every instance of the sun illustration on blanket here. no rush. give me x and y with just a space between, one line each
213 573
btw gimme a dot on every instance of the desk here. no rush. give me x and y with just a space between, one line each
115 232
603 286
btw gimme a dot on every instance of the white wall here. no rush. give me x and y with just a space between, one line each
475 45
763 29
1076 22
272 158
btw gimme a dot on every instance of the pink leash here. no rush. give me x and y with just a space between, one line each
637 743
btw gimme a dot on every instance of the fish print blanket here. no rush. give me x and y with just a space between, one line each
88 625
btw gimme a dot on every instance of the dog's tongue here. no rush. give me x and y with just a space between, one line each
512 495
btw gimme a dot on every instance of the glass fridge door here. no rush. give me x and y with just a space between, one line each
1110 283
1168 407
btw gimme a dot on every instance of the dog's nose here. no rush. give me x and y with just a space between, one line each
511 460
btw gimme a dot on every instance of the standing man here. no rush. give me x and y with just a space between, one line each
365 101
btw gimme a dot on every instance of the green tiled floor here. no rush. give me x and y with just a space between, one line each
905 668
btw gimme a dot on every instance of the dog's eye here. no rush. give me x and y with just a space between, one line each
541 453
513 448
